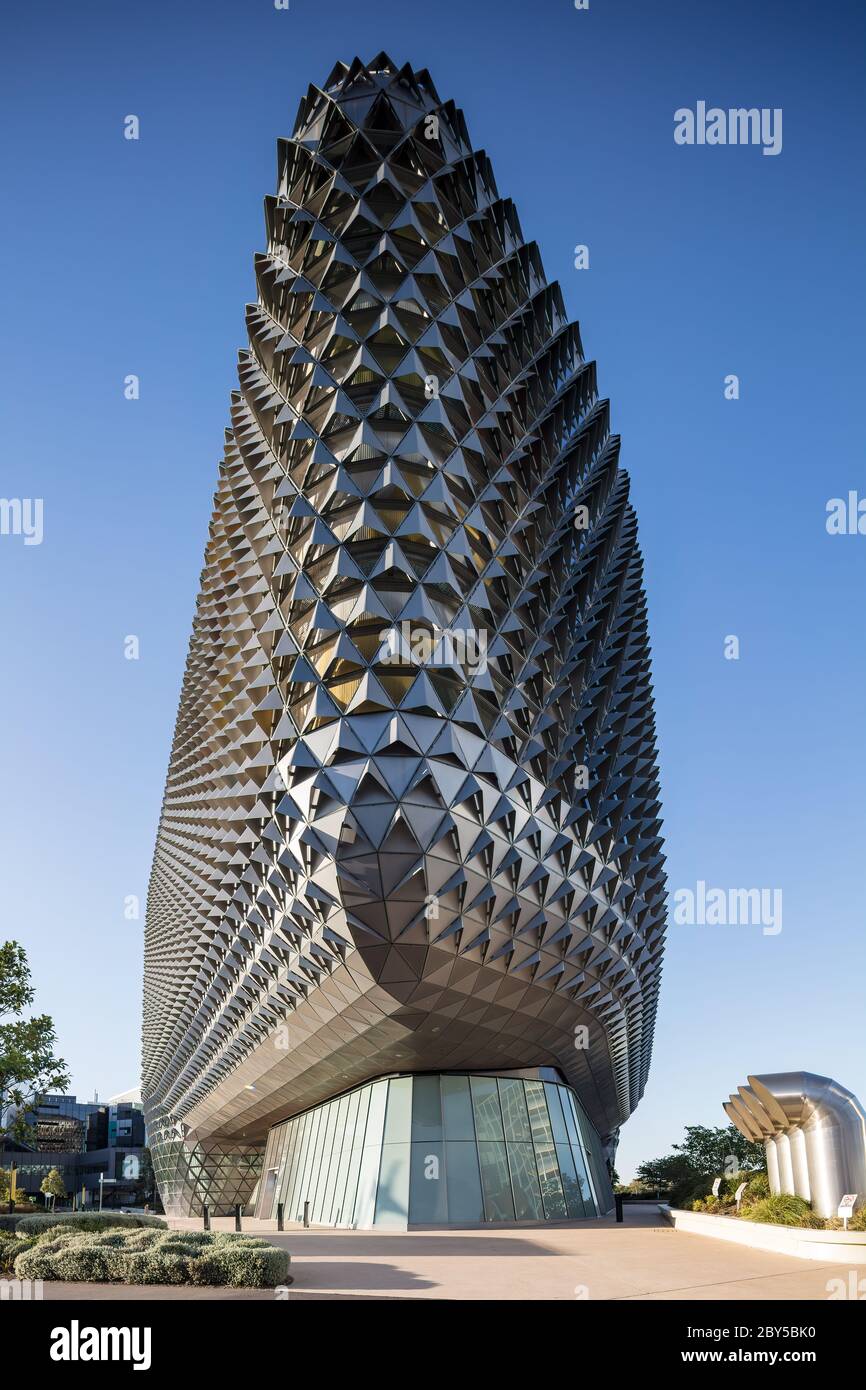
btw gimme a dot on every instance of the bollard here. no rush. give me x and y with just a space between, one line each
237 1216
279 1216
205 1211
617 1198
306 1213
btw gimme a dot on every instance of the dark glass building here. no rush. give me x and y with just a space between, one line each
406 914
92 1145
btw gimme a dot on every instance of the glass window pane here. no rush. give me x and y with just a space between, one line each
495 1181
320 1178
573 1199
583 1181
514 1115
457 1108
345 1155
485 1105
524 1183
462 1180
427 1195
560 1133
399 1114
336 1154
348 1211
303 1167
551 1187
426 1108
538 1116
292 1180
392 1196
568 1112
365 1200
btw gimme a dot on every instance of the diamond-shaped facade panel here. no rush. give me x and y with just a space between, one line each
411 821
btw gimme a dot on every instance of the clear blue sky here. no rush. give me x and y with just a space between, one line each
122 257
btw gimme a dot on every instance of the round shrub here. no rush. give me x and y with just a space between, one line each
11 1246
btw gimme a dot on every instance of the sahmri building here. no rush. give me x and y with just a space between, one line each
406 916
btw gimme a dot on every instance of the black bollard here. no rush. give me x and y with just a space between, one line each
205 1211
617 1198
306 1213
279 1216
238 1216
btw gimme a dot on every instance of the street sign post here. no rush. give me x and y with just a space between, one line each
102 1180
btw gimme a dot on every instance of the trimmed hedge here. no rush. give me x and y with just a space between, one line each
85 1221
156 1257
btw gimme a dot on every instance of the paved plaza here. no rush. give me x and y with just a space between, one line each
644 1258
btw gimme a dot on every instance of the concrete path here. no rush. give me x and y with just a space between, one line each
644 1258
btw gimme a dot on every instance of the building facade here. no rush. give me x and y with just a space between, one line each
409 861
92 1144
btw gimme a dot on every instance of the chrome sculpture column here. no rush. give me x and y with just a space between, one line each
814 1133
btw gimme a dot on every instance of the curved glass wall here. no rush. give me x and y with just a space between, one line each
449 1149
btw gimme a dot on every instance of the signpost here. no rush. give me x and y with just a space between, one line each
717 1182
738 1195
846 1208
102 1180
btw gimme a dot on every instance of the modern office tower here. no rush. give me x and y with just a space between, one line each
405 922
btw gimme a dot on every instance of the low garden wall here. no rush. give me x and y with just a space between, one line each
834 1247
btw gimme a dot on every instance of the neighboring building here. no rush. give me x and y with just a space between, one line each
406 916
63 1124
85 1140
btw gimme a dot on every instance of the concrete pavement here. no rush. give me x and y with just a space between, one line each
643 1259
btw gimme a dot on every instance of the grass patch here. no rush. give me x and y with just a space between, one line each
783 1209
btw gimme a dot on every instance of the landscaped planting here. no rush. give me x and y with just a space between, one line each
154 1257
11 1246
759 1204
85 1221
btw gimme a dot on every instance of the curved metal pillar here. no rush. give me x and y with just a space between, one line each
814 1133
800 1164
786 1167
772 1164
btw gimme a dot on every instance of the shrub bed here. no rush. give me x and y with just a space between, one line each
11 1246
155 1257
758 1204
85 1221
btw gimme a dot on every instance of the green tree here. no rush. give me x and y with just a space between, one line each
28 1066
52 1185
706 1152
720 1150
658 1173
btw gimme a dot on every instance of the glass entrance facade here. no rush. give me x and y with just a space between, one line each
444 1149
